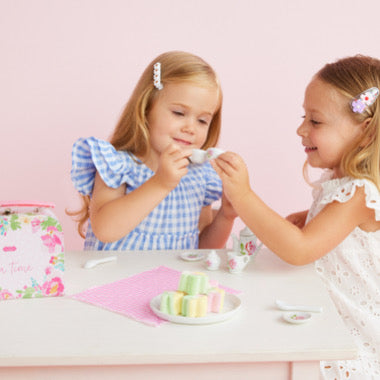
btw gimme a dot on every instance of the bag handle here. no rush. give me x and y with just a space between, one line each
26 204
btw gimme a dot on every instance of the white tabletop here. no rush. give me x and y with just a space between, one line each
61 331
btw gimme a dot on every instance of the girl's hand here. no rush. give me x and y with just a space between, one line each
234 175
172 166
298 218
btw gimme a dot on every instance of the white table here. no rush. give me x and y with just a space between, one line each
59 338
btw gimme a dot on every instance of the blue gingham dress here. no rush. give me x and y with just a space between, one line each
173 224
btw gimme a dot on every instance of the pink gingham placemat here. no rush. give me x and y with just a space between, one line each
131 296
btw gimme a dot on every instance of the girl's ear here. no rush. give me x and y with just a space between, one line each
366 122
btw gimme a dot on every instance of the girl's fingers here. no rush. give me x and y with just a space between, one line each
183 162
232 159
178 156
225 166
177 153
216 167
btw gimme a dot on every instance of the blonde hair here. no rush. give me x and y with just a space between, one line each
351 76
132 130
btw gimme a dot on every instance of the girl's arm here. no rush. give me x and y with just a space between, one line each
215 228
114 214
294 245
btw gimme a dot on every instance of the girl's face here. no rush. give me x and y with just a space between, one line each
328 129
181 114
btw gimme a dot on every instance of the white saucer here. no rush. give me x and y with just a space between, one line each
192 256
231 305
297 317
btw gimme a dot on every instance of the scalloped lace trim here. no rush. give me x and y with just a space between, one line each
343 189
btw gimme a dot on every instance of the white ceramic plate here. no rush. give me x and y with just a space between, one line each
231 306
192 256
297 317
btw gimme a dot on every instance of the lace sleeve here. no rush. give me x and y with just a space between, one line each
343 189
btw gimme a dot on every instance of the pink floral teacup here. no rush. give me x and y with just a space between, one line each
237 262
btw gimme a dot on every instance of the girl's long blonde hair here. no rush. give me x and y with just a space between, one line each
351 76
132 130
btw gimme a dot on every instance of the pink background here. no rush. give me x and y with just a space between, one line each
68 67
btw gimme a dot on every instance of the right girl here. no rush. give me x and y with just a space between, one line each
140 190
341 231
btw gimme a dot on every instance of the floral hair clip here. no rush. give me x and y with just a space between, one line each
157 76
365 99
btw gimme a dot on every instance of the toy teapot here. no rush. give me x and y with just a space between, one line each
247 243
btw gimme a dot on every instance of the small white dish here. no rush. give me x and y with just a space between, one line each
297 317
192 256
231 306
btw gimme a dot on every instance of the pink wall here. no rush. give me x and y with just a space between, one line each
68 67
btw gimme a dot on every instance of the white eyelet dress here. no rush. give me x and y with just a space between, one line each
173 224
351 272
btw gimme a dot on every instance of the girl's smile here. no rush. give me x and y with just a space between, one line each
182 142
310 149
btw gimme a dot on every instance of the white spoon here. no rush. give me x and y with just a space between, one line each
93 263
284 306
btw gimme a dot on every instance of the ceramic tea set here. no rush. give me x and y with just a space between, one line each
245 249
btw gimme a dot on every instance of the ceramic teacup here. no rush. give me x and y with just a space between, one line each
237 262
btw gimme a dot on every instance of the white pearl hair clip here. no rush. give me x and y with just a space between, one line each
200 156
157 76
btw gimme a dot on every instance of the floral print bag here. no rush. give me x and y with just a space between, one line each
31 251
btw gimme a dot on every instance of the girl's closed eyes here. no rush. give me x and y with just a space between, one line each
203 121
313 121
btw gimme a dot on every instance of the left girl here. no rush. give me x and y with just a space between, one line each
140 191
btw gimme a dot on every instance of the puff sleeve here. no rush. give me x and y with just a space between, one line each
91 155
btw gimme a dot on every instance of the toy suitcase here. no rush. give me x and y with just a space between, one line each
31 251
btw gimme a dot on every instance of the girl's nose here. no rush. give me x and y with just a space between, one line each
189 126
302 130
